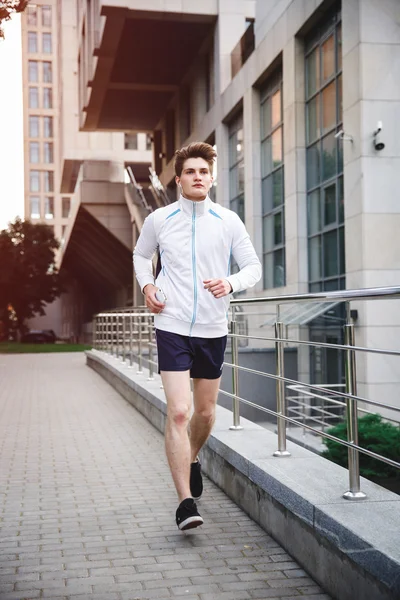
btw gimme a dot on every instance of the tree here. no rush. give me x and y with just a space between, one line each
9 7
28 276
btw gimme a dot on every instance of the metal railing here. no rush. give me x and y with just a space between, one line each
128 334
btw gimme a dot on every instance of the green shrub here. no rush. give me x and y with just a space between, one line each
373 434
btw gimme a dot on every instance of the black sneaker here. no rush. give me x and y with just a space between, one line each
187 516
196 480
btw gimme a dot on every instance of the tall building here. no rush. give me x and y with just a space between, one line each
43 201
70 173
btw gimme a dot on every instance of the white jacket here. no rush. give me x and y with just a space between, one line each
196 241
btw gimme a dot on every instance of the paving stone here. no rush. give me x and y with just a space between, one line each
82 514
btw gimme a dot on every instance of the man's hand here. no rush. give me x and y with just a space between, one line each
152 303
218 287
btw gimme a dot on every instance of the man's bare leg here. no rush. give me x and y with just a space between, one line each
177 391
205 395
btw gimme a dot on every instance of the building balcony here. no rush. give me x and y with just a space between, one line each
134 58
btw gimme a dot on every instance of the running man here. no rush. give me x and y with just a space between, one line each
196 240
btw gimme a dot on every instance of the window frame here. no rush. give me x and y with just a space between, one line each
267 93
47 68
320 231
34 148
46 10
47 93
47 42
33 92
34 119
236 201
34 64
34 173
32 41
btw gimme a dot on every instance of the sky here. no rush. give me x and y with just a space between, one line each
11 124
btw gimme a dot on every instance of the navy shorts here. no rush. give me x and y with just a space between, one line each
203 357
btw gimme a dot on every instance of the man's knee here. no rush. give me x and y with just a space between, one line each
179 416
206 414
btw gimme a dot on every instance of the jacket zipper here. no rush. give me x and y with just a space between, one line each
194 269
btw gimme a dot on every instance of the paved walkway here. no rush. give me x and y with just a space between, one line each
87 503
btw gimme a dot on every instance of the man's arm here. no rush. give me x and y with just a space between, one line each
143 262
244 254
250 267
144 251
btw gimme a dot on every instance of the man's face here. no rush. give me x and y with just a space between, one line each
195 179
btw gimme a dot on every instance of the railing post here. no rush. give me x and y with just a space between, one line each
112 316
151 366
108 334
235 375
123 336
140 358
97 338
117 336
280 391
130 338
354 492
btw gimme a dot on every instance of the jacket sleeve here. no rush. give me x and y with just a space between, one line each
144 251
245 256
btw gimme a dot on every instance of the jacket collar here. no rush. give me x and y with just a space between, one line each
197 207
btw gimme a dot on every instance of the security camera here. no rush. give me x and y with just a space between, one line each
378 144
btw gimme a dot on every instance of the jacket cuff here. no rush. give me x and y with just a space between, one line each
235 283
145 282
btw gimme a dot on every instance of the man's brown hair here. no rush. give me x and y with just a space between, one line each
194 150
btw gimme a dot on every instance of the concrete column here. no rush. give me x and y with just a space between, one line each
371 93
230 28
252 168
222 143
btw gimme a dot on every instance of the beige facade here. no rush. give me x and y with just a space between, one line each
43 201
74 180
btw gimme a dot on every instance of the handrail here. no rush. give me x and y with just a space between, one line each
381 293
115 327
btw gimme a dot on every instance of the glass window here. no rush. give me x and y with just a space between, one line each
33 126
35 207
32 15
46 43
324 156
34 181
46 16
66 207
34 154
236 167
148 142
131 141
48 127
47 97
33 73
47 72
272 188
48 152
49 208
33 97
329 107
32 42
49 181
328 58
